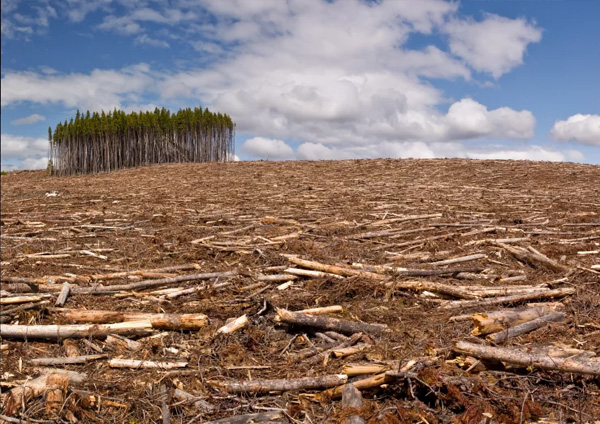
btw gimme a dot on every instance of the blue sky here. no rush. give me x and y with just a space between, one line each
314 79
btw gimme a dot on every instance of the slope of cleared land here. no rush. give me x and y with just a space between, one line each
408 239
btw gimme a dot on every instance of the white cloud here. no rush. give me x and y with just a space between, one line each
495 45
101 89
120 24
31 119
144 39
266 148
580 128
23 152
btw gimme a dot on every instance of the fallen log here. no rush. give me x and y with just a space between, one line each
459 260
199 404
158 321
58 332
364 384
234 325
319 322
282 385
525 327
71 360
261 417
333 269
493 322
25 307
21 299
146 284
20 395
352 400
139 363
532 256
322 310
311 273
542 294
62 297
446 289
521 357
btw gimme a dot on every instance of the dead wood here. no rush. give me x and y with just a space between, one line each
525 327
261 417
352 400
71 360
524 358
158 321
532 256
542 294
446 289
328 323
333 269
139 363
282 385
59 332
62 297
492 322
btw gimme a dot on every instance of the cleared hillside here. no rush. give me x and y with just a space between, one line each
397 242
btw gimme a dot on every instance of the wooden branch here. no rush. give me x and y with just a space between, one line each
455 291
333 269
147 284
57 332
431 272
322 310
261 417
158 321
21 299
328 323
520 357
353 370
532 256
311 273
139 363
525 327
25 307
493 322
459 260
364 384
62 297
72 360
122 342
234 325
542 294
283 385
199 404
352 400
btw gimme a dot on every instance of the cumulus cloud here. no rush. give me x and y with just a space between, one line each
100 89
266 148
495 45
580 128
31 119
144 39
23 152
337 76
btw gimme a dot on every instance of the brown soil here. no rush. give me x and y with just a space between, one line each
160 210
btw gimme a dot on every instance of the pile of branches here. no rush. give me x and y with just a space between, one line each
100 142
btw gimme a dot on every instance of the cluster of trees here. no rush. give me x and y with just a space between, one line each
102 142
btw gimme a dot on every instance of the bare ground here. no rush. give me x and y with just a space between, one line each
147 218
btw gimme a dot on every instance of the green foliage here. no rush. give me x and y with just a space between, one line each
105 141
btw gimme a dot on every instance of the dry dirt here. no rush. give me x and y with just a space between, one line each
147 218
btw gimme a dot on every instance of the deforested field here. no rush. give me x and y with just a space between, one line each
456 291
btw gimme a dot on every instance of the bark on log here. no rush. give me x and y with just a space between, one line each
146 284
159 321
62 297
58 332
520 357
138 363
261 417
542 294
333 269
234 325
329 323
525 327
352 400
70 360
283 385
364 384
493 322
454 291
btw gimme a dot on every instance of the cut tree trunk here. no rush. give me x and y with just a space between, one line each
520 357
283 385
159 321
525 327
329 323
59 332
493 322
542 294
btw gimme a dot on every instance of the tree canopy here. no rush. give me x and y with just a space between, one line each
102 142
